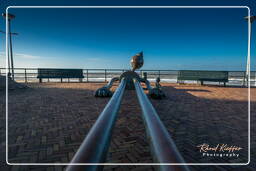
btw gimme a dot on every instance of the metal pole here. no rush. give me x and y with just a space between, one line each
9 21
162 146
250 20
25 75
248 58
255 66
95 146
9 65
250 40
8 54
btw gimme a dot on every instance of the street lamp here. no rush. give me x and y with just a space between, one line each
10 17
9 67
251 19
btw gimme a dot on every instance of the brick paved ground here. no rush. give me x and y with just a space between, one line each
48 122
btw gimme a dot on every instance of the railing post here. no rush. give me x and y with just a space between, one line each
25 75
40 79
94 148
105 75
13 74
244 79
162 146
255 78
87 75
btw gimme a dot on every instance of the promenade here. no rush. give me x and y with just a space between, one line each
47 122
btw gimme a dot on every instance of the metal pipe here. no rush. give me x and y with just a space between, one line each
9 64
163 148
111 82
9 23
95 146
147 85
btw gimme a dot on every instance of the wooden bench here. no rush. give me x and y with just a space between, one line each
195 75
59 73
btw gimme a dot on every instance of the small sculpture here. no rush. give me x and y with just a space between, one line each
136 63
156 92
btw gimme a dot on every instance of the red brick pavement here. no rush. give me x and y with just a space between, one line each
48 122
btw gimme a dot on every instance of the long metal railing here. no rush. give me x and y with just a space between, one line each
103 75
162 146
95 146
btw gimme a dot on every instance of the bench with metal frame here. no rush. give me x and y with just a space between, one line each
197 75
59 73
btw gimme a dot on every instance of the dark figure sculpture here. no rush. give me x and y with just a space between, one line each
136 63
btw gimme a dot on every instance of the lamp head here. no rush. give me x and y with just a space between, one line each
251 18
9 16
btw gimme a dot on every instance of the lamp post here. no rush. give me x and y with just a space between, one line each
9 18
251 19
9 67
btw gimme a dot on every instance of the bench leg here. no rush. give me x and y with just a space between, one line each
61 80
40 80
224 84
202 83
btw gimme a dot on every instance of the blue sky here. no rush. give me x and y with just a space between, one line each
213 39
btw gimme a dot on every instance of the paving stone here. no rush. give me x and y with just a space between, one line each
41 131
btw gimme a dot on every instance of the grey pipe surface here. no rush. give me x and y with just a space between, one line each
163 148
95 146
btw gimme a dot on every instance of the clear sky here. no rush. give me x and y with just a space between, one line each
213 39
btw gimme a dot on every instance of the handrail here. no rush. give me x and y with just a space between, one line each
29 74
119 69
95 146
163 148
